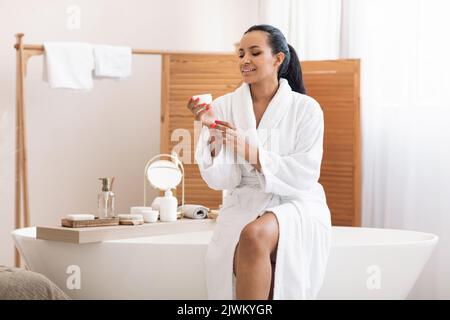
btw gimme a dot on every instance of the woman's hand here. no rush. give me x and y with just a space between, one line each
202 112
236 139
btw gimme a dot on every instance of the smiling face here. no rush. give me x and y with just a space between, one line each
256 60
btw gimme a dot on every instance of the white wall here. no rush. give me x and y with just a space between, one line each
76 137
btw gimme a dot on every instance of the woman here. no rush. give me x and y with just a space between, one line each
263 144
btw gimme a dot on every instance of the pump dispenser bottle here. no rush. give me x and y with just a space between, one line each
168 207
106 199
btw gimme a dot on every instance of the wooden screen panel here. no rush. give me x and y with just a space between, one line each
334 84
185 75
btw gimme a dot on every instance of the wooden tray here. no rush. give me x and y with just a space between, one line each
102 222
116 232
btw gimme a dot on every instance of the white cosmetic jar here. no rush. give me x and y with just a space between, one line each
203 98
148 213
151 216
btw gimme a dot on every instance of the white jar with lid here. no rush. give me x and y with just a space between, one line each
149 215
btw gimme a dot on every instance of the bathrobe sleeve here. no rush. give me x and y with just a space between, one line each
288 175
220 172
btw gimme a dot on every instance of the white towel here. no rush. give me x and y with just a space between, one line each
68 65
193 211
112 61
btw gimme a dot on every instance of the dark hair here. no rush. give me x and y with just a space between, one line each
290 69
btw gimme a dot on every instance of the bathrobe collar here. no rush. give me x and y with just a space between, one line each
244 116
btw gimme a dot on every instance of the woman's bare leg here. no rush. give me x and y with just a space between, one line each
254 256
273 260
272 281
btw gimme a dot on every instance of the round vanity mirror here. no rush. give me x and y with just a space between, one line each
164 174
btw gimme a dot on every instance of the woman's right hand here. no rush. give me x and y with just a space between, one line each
202 112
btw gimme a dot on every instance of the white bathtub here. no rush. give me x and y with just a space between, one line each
364 263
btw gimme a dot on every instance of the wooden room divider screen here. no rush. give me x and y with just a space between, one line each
334 84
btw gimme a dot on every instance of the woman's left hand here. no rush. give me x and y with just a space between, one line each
237 140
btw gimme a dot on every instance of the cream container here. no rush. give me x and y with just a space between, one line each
203 98
149 215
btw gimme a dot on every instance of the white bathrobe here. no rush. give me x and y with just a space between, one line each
290 140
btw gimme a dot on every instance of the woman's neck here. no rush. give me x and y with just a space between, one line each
264 91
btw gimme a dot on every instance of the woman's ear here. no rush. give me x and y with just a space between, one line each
279 59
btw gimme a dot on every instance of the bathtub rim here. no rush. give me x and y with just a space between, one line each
427 238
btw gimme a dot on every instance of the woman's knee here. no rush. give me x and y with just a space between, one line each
256 238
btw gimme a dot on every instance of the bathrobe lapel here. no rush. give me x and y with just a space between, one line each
244 116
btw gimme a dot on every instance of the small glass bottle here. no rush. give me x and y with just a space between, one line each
106 199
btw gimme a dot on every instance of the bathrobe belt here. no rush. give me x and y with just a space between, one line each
250 182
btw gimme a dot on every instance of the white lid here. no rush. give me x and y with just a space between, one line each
204 98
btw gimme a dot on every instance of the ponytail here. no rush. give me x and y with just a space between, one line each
290 69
